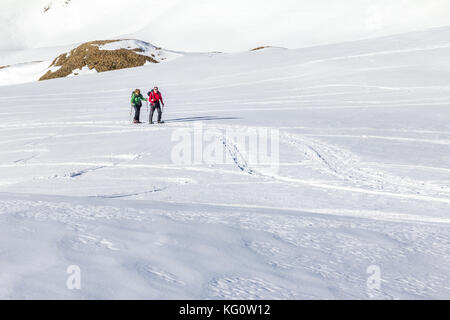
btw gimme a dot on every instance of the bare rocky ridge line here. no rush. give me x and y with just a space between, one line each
91 56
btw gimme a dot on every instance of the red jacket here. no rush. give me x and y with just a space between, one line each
154 97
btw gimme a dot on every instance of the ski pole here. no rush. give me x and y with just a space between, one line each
150 120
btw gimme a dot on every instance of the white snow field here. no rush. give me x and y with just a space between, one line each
362 192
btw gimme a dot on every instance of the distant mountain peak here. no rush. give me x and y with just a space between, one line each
106 55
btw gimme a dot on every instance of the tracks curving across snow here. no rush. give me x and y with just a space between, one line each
342 169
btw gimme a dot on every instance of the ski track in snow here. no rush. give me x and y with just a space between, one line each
96 241
346 166
126 195
155 273
236 155
342 164
79 173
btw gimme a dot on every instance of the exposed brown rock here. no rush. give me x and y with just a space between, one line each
89 55
260 48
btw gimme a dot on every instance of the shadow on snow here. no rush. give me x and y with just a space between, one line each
204 118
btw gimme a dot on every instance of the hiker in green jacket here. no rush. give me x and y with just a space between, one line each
136 102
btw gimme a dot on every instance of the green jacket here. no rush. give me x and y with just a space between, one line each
136 99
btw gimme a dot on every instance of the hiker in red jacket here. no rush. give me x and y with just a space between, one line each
156 100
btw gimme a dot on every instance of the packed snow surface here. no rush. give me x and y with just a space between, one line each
362 183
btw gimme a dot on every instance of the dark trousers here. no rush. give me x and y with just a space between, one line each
156 106
137 112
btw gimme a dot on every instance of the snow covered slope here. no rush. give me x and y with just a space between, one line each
363 181
199 25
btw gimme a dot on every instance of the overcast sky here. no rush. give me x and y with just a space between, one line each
206 25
